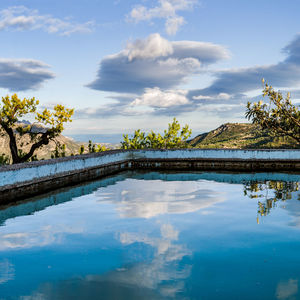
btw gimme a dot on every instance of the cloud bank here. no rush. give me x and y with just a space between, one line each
165 9
153 69
283 74
23 74
22 18
155 63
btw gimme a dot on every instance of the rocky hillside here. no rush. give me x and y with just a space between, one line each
240 136
72 147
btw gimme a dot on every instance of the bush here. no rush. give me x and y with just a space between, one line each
172 138
4 159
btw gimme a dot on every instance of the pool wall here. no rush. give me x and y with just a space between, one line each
24 180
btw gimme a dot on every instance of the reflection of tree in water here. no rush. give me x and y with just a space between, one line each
269 193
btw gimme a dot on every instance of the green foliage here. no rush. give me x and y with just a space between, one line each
13 109
101 148
81 149
279 116
174 137
93 148
22 154
4 159
137 142
60 151
55 119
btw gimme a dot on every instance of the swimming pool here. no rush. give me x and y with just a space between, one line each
156 236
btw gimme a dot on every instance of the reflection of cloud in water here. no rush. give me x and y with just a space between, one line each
161 277
7 271
88 288
163 244
168 232
42 237
287 289
153 198
292 206
293 209
163 268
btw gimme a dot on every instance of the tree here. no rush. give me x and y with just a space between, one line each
279 116
172 138
81 149
59 151
138 141
13 109
93 148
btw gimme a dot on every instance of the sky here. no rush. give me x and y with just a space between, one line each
129 64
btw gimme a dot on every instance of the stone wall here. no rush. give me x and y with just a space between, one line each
24 180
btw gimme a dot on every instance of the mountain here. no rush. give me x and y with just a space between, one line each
229 135
240 136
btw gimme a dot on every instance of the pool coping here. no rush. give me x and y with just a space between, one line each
25 180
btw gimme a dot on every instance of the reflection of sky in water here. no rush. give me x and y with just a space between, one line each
6 271
185 236
166 198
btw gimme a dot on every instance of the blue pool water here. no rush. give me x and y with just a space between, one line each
156 236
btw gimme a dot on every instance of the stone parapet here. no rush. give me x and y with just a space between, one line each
28 179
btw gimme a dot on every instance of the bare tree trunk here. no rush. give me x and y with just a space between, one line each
16 158
43 141
12 144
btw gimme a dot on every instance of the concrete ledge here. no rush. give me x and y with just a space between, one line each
24 180
236 165
45 184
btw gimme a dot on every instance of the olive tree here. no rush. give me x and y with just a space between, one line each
279 116
12 109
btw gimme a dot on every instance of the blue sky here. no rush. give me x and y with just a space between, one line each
137 64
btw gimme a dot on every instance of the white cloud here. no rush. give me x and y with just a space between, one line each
284 74
153 46
221 96
166 9
158 98
203 51
22 18
149 70
154 62
23 74
173 24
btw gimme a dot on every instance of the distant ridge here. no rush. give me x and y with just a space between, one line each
240 136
